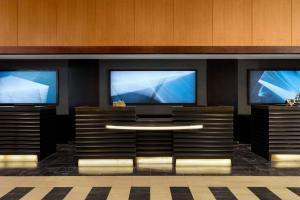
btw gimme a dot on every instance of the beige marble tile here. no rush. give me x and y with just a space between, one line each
160 192
201 193
119 193
78 193
284 193
37 193
5 189
243 193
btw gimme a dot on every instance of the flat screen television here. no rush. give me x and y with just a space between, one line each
153 87
38 87
272 86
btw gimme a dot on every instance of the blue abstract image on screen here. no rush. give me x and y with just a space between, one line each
28 87
154 87
273 86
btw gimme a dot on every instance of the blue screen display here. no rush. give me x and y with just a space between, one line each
153 87
267 87
28 87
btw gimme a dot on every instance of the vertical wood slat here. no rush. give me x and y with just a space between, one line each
9 22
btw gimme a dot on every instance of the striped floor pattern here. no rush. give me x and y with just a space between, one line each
150 188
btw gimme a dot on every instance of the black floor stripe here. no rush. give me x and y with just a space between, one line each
57 193
16 193
222 193
139 193
296 190
181 193
264 193
98 193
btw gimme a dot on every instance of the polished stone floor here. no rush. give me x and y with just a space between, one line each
63 163
149 187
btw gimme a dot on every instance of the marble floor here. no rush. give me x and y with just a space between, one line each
150 187
57 177
63 163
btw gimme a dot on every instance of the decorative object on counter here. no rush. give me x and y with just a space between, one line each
290 102
119 104
297 100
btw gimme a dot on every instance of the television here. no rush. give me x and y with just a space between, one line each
153 87
38 87
272 86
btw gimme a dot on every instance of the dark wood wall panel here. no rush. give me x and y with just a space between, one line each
215 140
22 131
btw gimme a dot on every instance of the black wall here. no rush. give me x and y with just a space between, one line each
222 82
83 83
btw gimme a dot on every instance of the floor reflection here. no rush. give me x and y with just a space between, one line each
18 165
203 170
285 164
168 167
105 170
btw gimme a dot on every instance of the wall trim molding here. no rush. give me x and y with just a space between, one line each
28 50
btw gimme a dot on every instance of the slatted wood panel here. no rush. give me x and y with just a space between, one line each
215 140
276 130
24 131
93 140
284 131
20 132
154 143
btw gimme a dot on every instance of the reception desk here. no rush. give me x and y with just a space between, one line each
276 132
189 133
27 133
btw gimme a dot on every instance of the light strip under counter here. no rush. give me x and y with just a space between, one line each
155 128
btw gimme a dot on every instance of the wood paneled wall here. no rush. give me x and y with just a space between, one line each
37 22
272 22
150 22
9 22
232 23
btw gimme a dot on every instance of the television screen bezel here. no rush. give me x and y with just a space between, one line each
155 104
34 104
248 84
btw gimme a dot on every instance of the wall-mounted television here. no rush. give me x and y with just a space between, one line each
272 86
36 87
153 87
